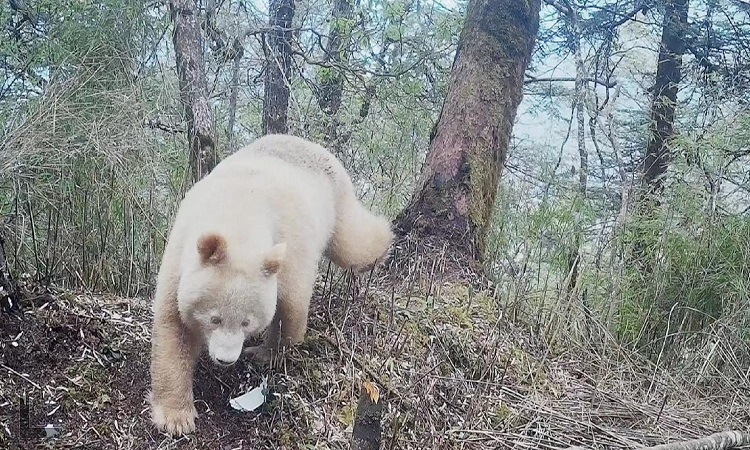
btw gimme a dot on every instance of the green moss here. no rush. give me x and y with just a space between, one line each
500 416
325 74
482 186
346 415
458 315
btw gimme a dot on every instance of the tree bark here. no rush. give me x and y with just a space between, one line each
337 52
188 45
278 50
453 204
331 75
661 124
668 76
240 51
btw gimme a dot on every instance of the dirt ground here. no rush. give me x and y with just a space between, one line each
453 373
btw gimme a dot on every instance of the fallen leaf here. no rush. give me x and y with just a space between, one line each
372 391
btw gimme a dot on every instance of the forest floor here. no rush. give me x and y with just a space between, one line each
452 370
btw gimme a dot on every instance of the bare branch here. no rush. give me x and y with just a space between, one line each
158 124
606 83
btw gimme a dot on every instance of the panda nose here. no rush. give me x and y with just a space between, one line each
224 362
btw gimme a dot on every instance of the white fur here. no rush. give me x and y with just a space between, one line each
242 256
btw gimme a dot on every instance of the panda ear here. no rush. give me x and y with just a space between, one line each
212 248
273 259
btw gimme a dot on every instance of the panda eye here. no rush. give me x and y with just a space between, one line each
245 323
215 320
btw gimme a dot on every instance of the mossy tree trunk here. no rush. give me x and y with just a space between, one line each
453 203
331 74
331 77
188 45
278 52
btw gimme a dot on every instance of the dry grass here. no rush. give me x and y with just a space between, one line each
86 191
453 371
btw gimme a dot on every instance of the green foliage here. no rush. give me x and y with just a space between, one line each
688 263
699 272
326 74
87 192
91 209
395 10
83 189
344 25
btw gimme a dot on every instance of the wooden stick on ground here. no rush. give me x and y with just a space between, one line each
367 428
718 441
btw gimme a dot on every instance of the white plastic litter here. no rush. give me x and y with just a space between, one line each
250 400
50 430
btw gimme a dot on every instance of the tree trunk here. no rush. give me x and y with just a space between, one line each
453 204
337 52
188 45
581 91
240 52
717 441
331 77
661 125
668 76
278 50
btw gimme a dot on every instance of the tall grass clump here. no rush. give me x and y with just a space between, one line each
86 190
692 283
699 276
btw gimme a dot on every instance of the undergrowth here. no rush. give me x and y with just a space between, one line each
88 192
